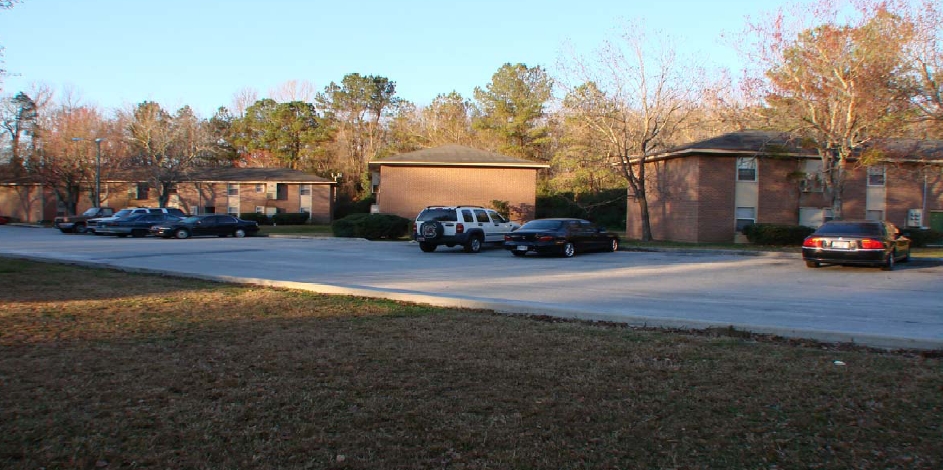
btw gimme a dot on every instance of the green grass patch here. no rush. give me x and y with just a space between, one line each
312 230
105 369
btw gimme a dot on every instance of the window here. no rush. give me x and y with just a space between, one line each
498 218
259 209
482 216
260 188
467 216
232 210
876 175
142 191
172 189
304 190
208 210
745 216
232 189
746 169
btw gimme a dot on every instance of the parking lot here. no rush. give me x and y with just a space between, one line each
766 294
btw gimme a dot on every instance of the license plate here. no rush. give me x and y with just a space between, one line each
521 248
841 245
420 239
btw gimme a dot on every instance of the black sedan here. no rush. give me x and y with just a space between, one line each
862 243
137 225
220 225
560 236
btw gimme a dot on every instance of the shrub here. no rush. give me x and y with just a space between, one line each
345 206
371 226
777 234
606 208
347 226
920 237
291 218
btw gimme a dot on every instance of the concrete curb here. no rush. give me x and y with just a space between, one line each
536 309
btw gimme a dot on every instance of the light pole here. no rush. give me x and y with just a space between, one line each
98 169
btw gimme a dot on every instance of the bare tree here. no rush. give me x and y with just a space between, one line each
294 90
242 99
636 96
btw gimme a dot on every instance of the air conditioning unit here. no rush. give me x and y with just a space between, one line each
915 218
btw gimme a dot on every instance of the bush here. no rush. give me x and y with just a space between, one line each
291 218
371 226
347 226
345 206
777 234
607 208
920 237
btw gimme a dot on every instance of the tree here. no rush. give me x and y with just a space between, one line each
356 111
835 86
635 100
925 56
447 120
165 147
290 132
18 116
4 5
512 109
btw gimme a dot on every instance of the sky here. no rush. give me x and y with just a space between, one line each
116 53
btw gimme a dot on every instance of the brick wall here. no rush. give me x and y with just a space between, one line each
717 184
778 201
405 191
671 190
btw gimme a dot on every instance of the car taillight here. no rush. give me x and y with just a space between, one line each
812 243
545 238
871 244
459 228
507 238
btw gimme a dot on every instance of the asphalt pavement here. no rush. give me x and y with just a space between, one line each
768 293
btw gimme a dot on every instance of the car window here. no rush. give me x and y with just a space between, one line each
123 212
850 228
467 216
437 215
225 219
542 225
482 216
498 218
90 212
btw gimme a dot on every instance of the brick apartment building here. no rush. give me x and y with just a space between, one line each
454 175
706 191
216 190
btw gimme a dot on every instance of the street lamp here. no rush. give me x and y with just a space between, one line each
98 169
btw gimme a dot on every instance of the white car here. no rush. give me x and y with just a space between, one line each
468 226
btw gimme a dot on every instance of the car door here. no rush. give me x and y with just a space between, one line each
225 225
204 226
499 226
593 240
483 222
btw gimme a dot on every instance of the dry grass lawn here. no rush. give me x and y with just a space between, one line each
104 369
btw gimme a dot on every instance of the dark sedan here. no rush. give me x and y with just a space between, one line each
219 225
560 236
137 225
862 243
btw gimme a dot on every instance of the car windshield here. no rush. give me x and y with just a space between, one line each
850 228
122 213
437 215
90 212
192 219
542 225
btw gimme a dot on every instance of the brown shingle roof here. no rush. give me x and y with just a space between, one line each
456 155
255 175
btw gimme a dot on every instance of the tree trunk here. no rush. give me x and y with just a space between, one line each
646 222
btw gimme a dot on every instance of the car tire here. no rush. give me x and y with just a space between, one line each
473 245
812 264
239 233
889 262
79 228
435 234
139 233
519 254
569 250
427 247
182 233
614 246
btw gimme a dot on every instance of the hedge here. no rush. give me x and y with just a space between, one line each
777 234
371 226
920 238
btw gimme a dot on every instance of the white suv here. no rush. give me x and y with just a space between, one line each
468 226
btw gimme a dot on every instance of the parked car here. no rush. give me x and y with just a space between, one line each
4 220
79 223
94 223
467 226
220 225
137 225
851 242
561 236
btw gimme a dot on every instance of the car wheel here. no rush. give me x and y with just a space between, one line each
80 228
812 264
473 245
615 245
139 233
889 262
182 233
519 254
239 233
569 250
427 247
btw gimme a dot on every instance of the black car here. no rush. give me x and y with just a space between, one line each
137 225
561 236
861 242
220 225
